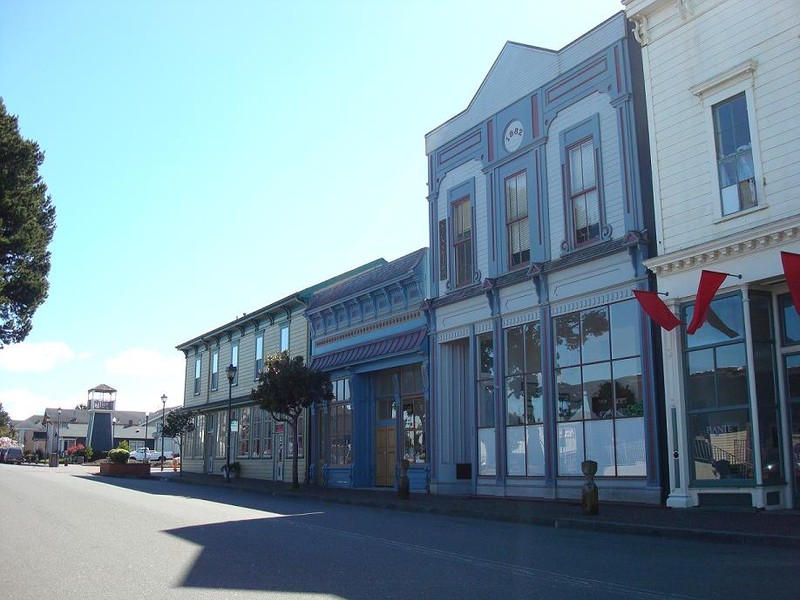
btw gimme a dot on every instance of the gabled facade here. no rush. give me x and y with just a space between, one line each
540 218
370 334
263 447
724 120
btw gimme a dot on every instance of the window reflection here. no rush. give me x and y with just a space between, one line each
721 445
724 322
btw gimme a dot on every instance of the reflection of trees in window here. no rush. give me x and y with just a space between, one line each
486 409
524 403
340 425
598 381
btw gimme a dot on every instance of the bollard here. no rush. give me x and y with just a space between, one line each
589 490
403 484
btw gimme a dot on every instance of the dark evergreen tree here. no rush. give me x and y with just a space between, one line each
27 223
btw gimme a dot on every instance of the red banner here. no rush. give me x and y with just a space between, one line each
656 309
791 268
709 284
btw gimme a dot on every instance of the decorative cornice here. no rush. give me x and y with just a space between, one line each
608 297
526 317
404 318
453 334
708 254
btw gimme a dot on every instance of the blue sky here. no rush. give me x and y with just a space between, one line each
208 158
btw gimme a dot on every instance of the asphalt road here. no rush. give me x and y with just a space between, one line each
70 535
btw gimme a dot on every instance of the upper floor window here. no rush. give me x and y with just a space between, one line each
284 338
235 361
462 241
519 238
259 354
584 197
197 364
735 169
584 218
214 368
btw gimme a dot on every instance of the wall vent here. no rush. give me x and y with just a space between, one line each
711 500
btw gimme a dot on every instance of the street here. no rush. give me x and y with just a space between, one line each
69 534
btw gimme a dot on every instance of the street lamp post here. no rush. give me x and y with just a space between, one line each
58 432
146 418
163 414
231 373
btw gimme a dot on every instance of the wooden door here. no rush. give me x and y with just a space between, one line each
385 455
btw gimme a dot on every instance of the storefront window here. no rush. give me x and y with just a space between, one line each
599 404
790 340
487 463
524 403
244 432
413 414
340 425
717 397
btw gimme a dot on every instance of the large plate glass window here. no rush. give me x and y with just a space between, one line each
599 405
487 460
720 427
522 383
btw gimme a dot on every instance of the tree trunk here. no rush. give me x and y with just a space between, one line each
295 472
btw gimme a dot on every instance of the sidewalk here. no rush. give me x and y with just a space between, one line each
743 526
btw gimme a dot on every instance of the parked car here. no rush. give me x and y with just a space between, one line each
14 455
142 454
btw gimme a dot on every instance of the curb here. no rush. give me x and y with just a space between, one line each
555 522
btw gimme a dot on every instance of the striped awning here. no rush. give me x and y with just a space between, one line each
391 346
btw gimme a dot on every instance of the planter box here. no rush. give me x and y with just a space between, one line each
125 469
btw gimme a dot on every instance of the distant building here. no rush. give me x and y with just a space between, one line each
540 220
722 102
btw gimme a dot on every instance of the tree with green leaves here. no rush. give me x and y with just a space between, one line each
6 429
177 423
27 223
286 387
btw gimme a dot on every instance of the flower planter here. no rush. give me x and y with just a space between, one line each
125 469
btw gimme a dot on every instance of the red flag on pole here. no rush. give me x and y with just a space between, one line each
791 268
656 309
709 284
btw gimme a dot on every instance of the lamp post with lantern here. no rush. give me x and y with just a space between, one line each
58 433
231 373
163 414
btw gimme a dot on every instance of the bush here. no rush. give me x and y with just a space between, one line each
88 452
124 445
119 455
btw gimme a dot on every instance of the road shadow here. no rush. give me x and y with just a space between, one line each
233 496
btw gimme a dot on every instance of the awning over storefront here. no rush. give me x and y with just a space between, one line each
397 344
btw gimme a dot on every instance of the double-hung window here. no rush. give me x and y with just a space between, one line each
259 354
584 218
197 370
285 338
235 361
584 197
735 169
214 369
462 241
518 231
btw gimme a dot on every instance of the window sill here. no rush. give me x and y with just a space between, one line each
741 213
